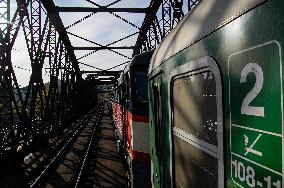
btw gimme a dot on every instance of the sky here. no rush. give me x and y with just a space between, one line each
102 28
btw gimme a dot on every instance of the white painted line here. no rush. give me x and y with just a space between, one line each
262 166
194 141
250 150
237 183
259 184
257 130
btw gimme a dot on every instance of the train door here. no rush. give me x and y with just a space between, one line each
156 87
197 125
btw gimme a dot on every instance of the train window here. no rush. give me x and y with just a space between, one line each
196 105
141 91
127 88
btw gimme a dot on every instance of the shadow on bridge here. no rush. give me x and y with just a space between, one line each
106 167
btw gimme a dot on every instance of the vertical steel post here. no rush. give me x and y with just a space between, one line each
52 97
36 102
191 4
152 36
6 108
166 16
178 12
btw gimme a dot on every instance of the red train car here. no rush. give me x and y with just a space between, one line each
131 116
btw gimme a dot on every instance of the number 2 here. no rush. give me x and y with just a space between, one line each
245 108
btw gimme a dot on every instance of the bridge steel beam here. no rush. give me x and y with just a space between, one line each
148 21
55 19
102 73
6 110
43 106
154 30
100 9
105 48
26 112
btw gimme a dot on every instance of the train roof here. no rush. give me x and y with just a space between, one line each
206 17
139 60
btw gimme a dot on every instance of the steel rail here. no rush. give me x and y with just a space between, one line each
58 141
76 132
90 143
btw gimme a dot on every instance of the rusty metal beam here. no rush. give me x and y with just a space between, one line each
102 73
55 19
148 21
105 48
100 9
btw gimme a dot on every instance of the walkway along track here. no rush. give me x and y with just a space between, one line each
66 167
106 167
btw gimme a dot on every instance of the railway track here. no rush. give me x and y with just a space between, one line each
31 161
22 172
105 167
67 166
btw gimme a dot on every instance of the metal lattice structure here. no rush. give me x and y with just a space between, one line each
172 13
39 109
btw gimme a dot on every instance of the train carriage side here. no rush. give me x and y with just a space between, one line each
215 94
132 124
138 120
138 112
117 109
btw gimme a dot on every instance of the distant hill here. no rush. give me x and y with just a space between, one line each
24 90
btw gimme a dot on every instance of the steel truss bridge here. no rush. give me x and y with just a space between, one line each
42 108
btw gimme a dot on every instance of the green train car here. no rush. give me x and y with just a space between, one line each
216 97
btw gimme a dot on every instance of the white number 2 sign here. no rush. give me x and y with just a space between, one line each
246 108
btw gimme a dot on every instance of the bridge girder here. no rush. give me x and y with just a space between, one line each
41 107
